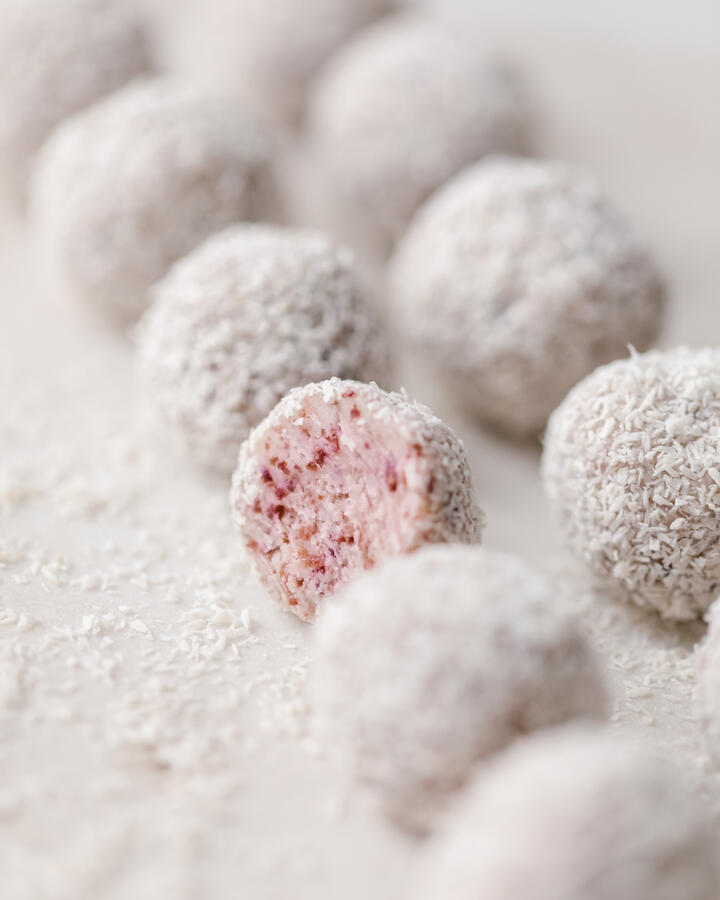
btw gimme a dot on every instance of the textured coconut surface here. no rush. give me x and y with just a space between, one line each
153 709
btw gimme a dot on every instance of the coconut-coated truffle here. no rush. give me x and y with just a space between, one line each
518 278
56 58
341 475
707 690
128 187
630 468
250 314
435 661
575 814
270 52
398 111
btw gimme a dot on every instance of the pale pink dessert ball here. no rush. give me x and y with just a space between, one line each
56 58
517 279
340 476
269 52
399 110
128 187
575 814
707 691
253 312
631 472
433 662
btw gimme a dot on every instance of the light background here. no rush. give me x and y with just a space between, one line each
162 751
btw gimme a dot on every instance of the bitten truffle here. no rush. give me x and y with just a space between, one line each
270 52
575 814
252 313
126 188
435 661
398 111
56 58
707 691
630 468
518 278
341 475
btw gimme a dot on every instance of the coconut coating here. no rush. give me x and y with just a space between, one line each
399 110
707 691
341 475
575 814
435 661
56 58
630 468
126 188
272 51
538 281
252 313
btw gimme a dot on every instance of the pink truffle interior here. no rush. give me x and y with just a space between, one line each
337 490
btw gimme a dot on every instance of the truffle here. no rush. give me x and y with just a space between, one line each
630 468
518 278
398 111
56 58
707 690
126 188
433 662
575 814
341 475
270 52
250 314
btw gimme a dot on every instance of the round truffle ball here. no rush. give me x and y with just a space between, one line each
575 814
518 278
707 692
126 188
253 312
631 470
270 52
398 111
56 58
435 661
340 476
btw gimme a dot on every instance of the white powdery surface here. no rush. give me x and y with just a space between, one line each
153 701
631 470
126 188
250 314
518 278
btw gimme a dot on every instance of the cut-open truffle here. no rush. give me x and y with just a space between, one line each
341 475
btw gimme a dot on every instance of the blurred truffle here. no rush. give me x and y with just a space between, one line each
575 814
518 278
434 661
398 111
56 58
252 313
126 188
269 52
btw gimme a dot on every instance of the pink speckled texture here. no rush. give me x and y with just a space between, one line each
340 476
